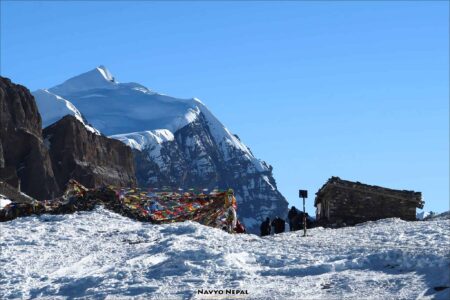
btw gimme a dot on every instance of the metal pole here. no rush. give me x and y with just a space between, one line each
304 218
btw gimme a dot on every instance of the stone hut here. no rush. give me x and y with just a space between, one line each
341 202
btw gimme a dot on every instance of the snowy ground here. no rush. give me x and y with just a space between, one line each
4 201
103 255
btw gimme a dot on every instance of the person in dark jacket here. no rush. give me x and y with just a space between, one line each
265 227
298 221
293 212
278 225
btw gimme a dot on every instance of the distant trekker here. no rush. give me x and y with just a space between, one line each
278 225
293 212
265 227
297 221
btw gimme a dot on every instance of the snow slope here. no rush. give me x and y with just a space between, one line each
144 139
101 255
151 141
53 108
4 201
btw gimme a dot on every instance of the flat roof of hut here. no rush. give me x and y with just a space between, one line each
341 202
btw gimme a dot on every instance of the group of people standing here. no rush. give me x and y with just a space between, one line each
278 225
296 220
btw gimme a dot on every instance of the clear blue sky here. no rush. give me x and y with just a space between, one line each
353 89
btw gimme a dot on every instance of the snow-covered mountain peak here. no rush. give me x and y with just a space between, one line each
105 73
198 101
98 78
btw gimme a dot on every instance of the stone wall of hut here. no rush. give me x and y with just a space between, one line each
345 206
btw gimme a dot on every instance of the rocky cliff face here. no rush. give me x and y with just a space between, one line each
43 162
92 159
23 154
192 159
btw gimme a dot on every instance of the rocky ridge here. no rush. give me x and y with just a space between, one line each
24 155
91 159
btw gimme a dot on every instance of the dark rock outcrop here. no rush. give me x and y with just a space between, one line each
93 160
23 154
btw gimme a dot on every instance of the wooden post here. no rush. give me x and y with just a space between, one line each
304 218
303 194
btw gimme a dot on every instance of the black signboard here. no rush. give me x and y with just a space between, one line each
303 193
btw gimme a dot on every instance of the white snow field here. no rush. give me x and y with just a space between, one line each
102 255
